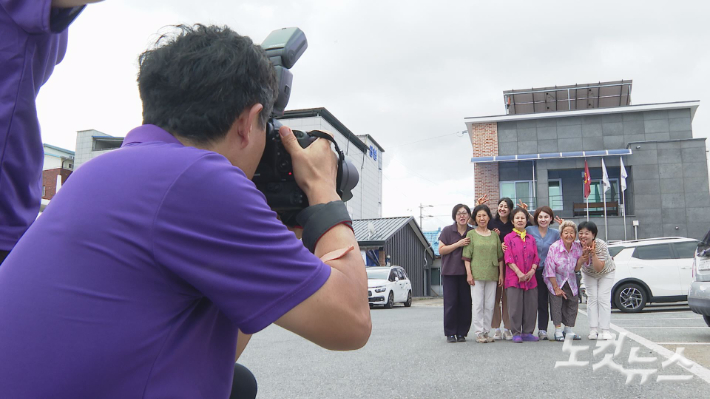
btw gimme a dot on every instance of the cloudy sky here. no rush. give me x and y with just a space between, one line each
405 72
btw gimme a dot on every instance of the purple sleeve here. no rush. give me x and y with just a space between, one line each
31 16
215 231
38 16
444 237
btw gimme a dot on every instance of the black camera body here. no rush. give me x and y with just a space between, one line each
274 174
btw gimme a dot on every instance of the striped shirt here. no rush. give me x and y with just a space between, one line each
603 255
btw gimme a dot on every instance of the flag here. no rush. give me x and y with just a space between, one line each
623 175
605 177
587 180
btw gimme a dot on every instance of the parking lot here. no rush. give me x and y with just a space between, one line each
407 357
671 327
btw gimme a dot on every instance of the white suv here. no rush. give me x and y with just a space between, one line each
699 293
651 270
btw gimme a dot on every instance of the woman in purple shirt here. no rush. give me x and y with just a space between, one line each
564 258
457 292
522 260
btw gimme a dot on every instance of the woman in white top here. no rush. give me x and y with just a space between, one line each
598 271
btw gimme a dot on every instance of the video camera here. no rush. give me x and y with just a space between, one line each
274 175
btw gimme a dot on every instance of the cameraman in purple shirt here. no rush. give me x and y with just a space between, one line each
34 40
150 268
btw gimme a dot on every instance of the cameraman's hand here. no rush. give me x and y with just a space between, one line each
314 167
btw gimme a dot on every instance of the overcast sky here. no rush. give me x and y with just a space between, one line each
405 72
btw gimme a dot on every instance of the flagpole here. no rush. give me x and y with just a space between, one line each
606 232
623 209
587 182
623 175
605 186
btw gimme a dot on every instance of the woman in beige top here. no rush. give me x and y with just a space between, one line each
598 271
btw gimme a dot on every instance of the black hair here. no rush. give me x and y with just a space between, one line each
589 226
456 209
516 211
479 208
507 201
197 82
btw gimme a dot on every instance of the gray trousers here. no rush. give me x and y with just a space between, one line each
522 310
564 311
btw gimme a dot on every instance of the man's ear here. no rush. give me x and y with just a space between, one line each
248 121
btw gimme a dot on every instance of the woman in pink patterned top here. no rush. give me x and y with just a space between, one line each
563 259
520 284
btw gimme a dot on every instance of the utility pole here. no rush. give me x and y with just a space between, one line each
422 216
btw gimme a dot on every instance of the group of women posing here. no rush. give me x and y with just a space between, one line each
517 260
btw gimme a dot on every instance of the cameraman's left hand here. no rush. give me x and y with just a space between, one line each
314 167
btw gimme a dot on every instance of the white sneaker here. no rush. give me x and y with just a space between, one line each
593 335
508 335
488 337
498 334
606 335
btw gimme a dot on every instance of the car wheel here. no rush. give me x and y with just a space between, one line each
630 298
390 301
409 300
707 320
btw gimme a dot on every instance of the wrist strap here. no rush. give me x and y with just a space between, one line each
318 219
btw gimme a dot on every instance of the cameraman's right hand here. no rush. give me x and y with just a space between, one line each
314 167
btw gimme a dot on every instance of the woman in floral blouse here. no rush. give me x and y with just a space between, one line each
522 260
563 258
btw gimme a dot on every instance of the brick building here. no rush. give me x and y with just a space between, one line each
58 165
537 150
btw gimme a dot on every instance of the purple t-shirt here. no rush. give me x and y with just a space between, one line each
33 40
452 264
135 279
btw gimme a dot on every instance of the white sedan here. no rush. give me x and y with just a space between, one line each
387 285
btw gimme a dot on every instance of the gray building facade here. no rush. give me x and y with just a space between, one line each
540 158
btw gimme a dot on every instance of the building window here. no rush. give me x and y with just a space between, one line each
519 190
44 190
554 192
596 194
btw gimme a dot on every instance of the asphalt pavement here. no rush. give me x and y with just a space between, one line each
408 357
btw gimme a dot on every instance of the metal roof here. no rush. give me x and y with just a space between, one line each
433 238
58 149
568 98
383 229
692 105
